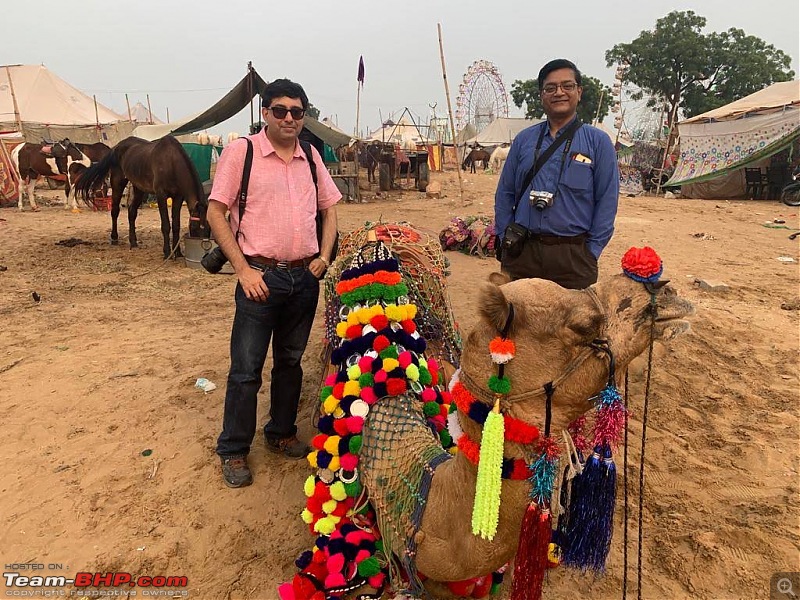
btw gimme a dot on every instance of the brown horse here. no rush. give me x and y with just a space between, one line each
161 168
477 154
32 162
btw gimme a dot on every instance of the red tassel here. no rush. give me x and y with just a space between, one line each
531 561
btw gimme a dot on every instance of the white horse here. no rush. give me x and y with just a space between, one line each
498 157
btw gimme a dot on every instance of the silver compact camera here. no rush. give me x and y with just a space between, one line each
541 200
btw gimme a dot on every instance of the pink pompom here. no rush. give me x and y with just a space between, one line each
376 581
348 461
433 366
336 563
362 555
438 421
365 364
286 591
355 424
404 359
381 376
428 395
354 537
368 396
334 580
330 380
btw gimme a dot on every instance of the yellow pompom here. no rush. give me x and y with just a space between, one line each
352 388
393 312
341 329
338 413
308 486
411 311
390 364
312 459
353 372
412 372
334 466
325 525
352 318
337 491
331 445
307 517
331 404
329 506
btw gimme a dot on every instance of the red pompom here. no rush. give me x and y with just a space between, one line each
353 332
318 441
461 588
338 390
409 326
381 343
379 322
643 262
395 386
340 427
354 424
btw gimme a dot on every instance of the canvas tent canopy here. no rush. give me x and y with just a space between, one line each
501 131
43 106
404 133
141 114
721 142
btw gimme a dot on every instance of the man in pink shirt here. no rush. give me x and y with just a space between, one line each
278 262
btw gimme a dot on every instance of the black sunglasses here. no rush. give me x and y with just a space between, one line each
279 112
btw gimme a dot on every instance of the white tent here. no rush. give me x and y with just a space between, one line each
36 101
403 133
501 131
717 145
141 115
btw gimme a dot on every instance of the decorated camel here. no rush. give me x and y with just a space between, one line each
424 488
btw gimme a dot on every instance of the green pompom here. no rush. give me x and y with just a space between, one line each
325 392
389 352
355 444
369 567
453 408
445 438
430 409
366 380
353 372
379 546
353 489
498 385
425 376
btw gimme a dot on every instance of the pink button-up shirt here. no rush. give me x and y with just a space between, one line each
280 216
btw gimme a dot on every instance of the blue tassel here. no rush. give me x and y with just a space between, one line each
590 524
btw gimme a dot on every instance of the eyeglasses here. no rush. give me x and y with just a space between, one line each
279 112
566 86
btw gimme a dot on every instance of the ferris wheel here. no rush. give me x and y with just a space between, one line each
481 96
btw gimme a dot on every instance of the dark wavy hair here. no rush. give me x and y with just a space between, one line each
555 65
283 87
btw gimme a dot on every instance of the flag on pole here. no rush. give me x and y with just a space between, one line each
361 70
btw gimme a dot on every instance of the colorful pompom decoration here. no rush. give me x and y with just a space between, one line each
642 264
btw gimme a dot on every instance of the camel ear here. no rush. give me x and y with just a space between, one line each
499 278
494 308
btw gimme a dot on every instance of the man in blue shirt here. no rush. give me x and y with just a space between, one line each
565 215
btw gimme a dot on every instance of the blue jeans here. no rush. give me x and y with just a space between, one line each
286 318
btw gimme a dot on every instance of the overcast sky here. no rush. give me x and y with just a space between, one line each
187 54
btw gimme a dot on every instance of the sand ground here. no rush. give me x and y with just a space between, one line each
103 368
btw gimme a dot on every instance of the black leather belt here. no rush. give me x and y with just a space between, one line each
264 262
553 240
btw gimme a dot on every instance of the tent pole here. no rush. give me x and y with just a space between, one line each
673 118
149 111
599 106
97 118
250 92
17 115
450 114
358 143
128 102
168 114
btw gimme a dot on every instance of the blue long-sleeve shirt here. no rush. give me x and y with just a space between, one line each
587 196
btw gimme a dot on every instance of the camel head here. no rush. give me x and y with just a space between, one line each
554 329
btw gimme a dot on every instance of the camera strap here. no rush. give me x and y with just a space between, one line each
539 161
248 164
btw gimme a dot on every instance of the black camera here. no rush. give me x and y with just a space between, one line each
214 260
541 200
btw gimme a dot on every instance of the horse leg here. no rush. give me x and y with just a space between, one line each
177 203
133 212
163 210
118 183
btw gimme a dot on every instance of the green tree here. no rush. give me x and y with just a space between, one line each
678 65
527 92
312 111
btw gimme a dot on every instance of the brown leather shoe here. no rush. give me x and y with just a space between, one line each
235 471
290 447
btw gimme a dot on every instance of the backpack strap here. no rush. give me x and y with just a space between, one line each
311 164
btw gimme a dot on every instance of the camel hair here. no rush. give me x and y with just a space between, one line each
552 329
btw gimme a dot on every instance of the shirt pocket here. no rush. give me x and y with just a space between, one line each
578 176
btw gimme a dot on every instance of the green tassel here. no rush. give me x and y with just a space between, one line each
486 510
499 385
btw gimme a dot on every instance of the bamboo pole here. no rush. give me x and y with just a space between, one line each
599 106
358 143
149 110
450 114
128 102
17 116
168 114
673 118
97 119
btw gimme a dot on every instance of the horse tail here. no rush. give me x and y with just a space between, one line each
94 174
